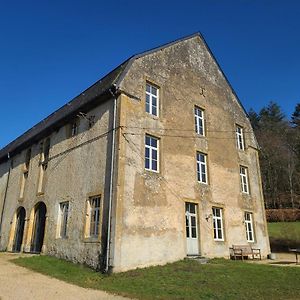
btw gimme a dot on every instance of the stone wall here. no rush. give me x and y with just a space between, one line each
151 206
78 167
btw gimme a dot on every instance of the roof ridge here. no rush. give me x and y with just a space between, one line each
152 50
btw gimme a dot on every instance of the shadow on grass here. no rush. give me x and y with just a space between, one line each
283 245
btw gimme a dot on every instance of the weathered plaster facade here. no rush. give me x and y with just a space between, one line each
146 225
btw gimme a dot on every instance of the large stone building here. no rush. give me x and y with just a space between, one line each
154 162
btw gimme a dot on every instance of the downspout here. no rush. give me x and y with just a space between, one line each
5 193
112 166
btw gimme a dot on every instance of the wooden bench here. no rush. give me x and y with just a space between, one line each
243 251
296 251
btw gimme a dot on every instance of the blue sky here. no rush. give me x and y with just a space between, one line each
50 51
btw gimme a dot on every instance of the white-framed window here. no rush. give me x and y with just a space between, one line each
151 153
74 127
152 99
199 120
249 227
201 167
244 179
25 173
94 204
240 138
63 215
217 214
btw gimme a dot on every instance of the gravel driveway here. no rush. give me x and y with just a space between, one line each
20 283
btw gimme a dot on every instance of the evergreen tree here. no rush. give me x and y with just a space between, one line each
296 116
279 142
254 118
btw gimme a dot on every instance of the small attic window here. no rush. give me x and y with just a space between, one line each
74 127
27 160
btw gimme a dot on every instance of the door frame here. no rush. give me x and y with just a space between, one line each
197 227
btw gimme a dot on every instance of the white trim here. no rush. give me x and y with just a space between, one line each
199 120
249 227
64 210
240 137
244 179
152 97
152 149
94 231
201 166
216 228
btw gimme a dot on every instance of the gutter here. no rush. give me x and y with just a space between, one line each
112 171
5 193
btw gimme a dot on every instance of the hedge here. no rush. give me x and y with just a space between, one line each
283 215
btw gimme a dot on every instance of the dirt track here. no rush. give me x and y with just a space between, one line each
20 283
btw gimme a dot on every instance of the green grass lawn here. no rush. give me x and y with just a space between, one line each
284 235
219 279
287 230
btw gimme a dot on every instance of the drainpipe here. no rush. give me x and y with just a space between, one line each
112 166
5 193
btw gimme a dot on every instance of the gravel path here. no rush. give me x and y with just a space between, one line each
20 283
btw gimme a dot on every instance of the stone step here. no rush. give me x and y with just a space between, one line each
198 258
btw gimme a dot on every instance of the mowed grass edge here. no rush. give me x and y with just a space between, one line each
284 235
187 279
284 230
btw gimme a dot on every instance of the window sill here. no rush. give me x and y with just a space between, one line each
219 241
151 174
203 183
152 116
199 135
90 240
151 171
247 195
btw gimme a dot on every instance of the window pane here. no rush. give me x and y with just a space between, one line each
154 142
154 90
147 107
147 152
147 140
154 101
154 111
193 208
154 165
187 232
154 154
220 233
203 177
194 234
250 236
147 163
215 233
148 88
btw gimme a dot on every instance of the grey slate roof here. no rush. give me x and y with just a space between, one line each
98 92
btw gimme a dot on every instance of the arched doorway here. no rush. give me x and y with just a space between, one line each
19 231
38 227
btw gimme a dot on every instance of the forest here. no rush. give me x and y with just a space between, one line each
278 137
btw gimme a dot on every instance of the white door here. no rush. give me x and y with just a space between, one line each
191 221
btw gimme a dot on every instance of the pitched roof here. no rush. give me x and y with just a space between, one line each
98 92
